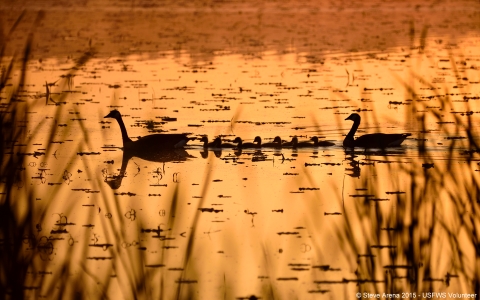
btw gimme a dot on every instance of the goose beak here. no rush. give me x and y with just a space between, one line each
109 115
349 117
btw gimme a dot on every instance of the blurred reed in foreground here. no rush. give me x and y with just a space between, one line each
423 235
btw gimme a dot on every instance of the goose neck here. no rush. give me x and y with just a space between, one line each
354 128
123 129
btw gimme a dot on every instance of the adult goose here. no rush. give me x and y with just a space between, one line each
374 140
148 142
241 145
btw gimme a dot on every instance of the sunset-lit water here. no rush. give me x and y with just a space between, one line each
284 223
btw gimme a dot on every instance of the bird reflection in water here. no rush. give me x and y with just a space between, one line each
152 155
351 155
216 152
354 170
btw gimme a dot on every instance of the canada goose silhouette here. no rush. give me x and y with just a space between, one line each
215 144
276 143
305 144
374 140
291 143
228 145
317 143
241 145
148 142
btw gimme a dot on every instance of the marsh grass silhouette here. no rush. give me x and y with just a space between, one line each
25 248
427 238
24 269
15 227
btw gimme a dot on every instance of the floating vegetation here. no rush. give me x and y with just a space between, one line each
155 266
264 123
125 194
88 153
35 154
210 210
308 189
185 281
428 165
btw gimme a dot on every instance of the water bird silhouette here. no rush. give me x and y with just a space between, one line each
317 143
306 144
241 145
276 143
215 144
227 145
303 144
291 143
148 142
374 140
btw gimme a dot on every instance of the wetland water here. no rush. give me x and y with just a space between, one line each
81 218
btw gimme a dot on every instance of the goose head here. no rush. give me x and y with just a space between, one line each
217 142
114 114
237 140
257 140
354 117
277 139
